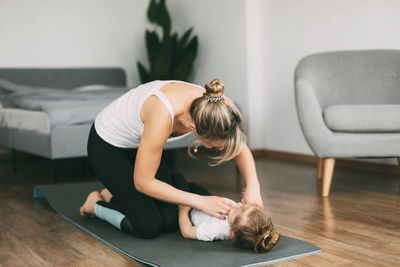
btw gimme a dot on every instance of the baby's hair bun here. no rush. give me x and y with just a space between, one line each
214 88
271 241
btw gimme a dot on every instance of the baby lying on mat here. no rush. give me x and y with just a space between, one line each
246 226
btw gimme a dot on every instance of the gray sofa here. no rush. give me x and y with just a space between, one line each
65 141
348 105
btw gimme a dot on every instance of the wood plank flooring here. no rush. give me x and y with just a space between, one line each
358 225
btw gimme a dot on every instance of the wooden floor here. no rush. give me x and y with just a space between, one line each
359 225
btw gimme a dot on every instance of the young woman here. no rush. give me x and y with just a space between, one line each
125 147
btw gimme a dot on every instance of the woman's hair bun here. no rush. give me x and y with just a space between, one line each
214 88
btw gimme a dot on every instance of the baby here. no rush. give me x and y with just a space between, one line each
246 226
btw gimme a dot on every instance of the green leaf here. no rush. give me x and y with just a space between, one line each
192 46
143 73
152 11
174 38
184 38
163 18
164 59
175 41
180 45
153 46
184 67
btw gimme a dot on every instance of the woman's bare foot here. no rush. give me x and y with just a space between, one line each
87 209
106 194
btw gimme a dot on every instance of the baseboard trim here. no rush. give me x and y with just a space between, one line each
340 162
283 155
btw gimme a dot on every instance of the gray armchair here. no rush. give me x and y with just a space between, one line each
348 105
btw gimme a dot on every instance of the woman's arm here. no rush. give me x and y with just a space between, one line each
157 125
247 167
156 131
185 225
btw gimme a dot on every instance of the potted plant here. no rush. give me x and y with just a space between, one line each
170 57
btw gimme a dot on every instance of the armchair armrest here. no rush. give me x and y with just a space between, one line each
310 115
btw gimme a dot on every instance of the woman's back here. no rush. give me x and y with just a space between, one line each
120 123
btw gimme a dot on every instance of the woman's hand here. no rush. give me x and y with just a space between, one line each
245 163
215 206
252 195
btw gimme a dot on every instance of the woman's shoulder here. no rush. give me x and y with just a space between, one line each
153 110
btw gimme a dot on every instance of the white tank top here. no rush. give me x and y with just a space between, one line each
210 228
119 123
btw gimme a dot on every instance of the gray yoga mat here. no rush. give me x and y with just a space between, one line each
169 249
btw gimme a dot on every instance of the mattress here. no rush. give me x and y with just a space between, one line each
29 120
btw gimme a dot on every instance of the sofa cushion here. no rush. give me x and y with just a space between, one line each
363 118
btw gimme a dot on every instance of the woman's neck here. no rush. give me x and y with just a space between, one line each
182 123
181 96
183 117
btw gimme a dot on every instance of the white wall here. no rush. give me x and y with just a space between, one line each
111 33
293 29
221 28
69 33
256 65
252 45
46 33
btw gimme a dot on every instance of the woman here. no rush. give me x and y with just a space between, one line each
125 147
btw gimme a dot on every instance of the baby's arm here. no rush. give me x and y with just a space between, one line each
187 229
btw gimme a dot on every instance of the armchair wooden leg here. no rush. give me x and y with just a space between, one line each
329 165
320 168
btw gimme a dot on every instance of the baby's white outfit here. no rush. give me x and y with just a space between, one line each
210 228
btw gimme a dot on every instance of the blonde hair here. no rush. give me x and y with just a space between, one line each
216 117
254 230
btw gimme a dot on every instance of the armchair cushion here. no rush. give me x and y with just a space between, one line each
363 118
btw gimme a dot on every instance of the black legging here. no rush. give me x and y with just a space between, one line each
146 217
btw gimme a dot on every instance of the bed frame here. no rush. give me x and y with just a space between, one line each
64 141
68 141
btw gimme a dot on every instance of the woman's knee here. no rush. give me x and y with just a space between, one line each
151 231
170 219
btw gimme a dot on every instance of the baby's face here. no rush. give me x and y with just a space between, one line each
238 210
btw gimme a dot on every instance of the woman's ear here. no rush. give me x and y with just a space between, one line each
192 126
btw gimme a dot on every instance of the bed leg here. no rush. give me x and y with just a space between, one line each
54 170
14 160
84 170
